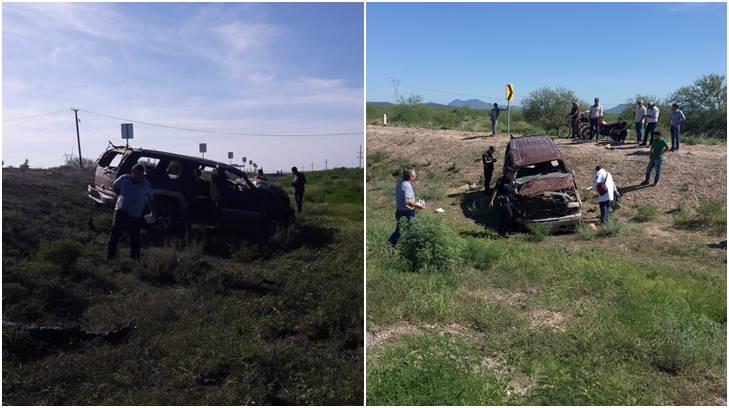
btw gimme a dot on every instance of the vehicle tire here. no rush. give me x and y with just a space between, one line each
168 214
585 133
564 131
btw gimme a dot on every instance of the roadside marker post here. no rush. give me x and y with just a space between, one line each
203 149
509 97
230 157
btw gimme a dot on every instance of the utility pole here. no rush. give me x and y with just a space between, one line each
78 138
395 84
360 156
312 166
326 164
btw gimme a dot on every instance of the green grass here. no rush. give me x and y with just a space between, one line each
570 320
645 212
219 320
710 215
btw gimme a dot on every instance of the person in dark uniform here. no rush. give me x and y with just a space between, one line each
574 117
488 168
298 183
505 192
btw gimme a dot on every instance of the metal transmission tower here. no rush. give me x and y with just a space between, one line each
395 84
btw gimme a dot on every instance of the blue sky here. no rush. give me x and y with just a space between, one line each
254 68
609 50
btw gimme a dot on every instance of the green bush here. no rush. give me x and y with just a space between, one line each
537 232
64 253
710 214
584 232
645 212
610 228
427 244
480 253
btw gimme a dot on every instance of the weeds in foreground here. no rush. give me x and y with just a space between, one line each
427 244
645 212
710 215
537 232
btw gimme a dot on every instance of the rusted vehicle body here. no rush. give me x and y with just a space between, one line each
548 192
190 190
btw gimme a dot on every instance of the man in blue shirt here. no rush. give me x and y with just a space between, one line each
405 203
134 192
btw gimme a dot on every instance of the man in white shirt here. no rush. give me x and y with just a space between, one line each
606 190
651 122
640 113
595 114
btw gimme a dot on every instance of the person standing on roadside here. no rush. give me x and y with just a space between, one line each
495 112
488 168
640 113
298 182
595 115
652 115
677 119
505 192
658 147
134 192
574 117
405 203
605 188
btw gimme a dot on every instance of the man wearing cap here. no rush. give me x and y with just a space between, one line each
677 119
640 113
505 192
134 192
595 115
652 115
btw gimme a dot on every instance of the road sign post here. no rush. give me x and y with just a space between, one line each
203 149
509 97
230 158
127 131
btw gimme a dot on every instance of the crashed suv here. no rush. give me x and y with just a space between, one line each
548 192
189 190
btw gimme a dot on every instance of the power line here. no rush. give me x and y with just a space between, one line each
220 132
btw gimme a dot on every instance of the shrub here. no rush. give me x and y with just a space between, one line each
64 253
537 232
585 232
710 214
160 268
427 244
645 212
610 228
249 253
480 253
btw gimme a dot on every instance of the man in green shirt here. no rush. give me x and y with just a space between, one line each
658 147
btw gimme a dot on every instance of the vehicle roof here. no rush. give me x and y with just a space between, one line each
528 150
211 163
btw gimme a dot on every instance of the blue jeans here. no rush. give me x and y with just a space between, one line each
494 125
594 128
651 165
409 215
674 137
649 128
604 211
638 131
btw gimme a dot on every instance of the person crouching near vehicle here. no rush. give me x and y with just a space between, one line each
606 190
405 203
134 193
504 193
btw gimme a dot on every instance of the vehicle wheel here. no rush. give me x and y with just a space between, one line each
585 134
168 215
280 233
564 131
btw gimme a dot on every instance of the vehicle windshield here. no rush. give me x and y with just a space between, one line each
548 169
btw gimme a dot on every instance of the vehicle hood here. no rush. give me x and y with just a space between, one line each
542 184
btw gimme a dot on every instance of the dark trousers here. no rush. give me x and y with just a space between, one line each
507 216
594 128
604 210
123 222
487 173
575 128
649 128
675 142
409 215
299 197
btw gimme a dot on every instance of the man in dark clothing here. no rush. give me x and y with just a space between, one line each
134 192
574 117
505 190
495 111
298 182
488 168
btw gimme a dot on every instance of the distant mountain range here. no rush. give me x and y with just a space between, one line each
618 109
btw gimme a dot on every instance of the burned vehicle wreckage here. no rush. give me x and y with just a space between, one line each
189 190
548 193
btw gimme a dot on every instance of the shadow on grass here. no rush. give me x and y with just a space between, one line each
312 236
634 187
475 205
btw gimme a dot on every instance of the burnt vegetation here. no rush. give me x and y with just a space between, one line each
217 319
